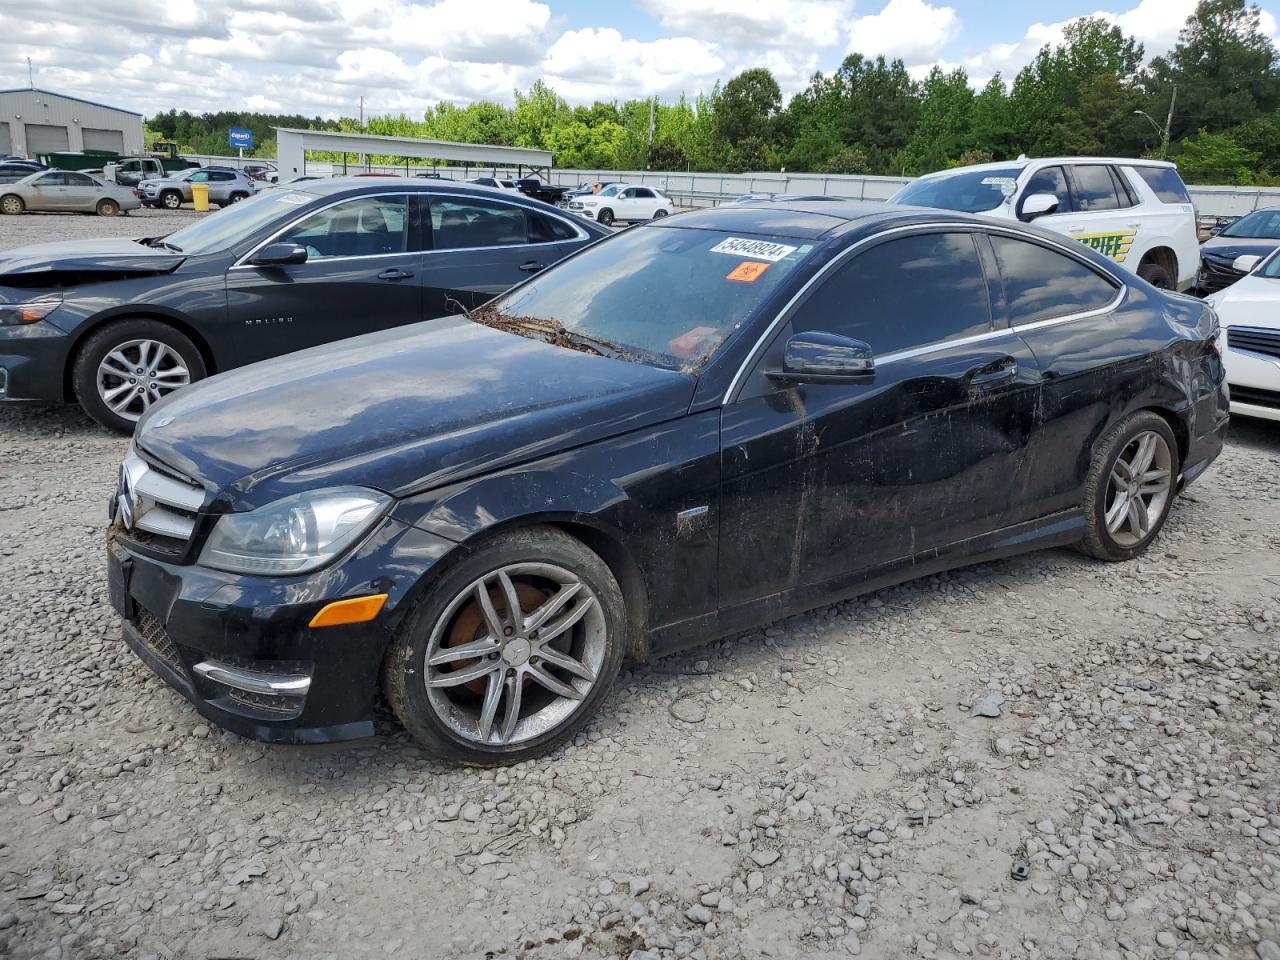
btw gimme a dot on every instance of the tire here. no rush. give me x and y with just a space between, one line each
605 217
108 208
106 396
1156 275
238 196
12 204
659 214
171 200
1112 532
447 717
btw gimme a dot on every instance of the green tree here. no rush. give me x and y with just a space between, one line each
667 154
747 107
849 160
536 114
944 127
578 146
1216 158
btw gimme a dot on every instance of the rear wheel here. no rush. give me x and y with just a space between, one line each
1130 487
11 203
1156 275
171 199
605 217
108 208
237 197
510 652
126 367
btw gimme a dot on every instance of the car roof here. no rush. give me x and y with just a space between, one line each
809 219
1023 162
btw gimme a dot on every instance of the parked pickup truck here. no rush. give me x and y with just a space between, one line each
131 171
533 187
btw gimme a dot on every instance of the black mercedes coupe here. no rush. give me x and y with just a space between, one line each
685 430
119 324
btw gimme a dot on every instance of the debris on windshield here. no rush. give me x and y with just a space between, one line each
549 331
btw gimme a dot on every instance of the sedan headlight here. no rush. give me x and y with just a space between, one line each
295 534
14 314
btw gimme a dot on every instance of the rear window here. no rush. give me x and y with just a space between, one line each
1164 183
667 296
971 191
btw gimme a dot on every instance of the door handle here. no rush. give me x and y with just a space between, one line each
394 274
531 266
998 372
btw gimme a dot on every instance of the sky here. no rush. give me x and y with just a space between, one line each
318 57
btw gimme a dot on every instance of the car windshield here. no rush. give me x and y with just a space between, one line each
971 191
219 231
610 191
1271 268
1259 225
667 296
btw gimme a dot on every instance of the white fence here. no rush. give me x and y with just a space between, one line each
709 189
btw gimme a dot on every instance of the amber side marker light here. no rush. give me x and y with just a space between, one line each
354 610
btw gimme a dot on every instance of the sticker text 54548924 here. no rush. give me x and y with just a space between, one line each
755 249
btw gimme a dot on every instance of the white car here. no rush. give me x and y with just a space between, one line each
506 186
1249 310
1137 212
623 202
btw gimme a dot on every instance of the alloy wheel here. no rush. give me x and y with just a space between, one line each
1139 488
515 654
137 373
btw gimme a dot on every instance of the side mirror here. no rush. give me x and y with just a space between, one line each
826 358
279 254
1037 205
1245 262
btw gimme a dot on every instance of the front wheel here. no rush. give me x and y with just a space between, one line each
12 204
1130 488
659 214
510 652
605 217
171 200
126 367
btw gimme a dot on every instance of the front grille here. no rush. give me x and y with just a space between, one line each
156 639
1254 396
1254 340
156 508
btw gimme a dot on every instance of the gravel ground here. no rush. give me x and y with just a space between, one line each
44 227
820 787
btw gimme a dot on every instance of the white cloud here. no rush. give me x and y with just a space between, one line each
746 24
598 63
914 30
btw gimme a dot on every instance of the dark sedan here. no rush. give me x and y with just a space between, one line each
1253 235
695 426
119 324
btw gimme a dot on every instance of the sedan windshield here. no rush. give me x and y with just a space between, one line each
1259 225
228 227
668 296
972 191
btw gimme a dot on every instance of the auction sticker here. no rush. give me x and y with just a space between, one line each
757 249
748 271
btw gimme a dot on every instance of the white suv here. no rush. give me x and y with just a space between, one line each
622 202
1137 212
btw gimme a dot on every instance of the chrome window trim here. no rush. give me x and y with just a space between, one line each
243 262
987 228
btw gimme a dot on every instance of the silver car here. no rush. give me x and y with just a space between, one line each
65 190
225 186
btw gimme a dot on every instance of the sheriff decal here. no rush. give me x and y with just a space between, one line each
1113 245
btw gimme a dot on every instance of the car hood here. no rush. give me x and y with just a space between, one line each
1253 301
1229 248
80 256
401 410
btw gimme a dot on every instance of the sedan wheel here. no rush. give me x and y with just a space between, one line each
126 368
1131 485
522 641
12 204
108 208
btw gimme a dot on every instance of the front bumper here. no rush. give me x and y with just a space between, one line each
32 360
1215 276
241 650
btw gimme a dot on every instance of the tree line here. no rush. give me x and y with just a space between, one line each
1212 104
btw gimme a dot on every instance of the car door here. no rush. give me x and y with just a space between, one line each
49 192
1101 204
363 273
482 246
1063 308
82 193
826 483
646 203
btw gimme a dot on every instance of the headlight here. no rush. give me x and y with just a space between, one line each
13 314
293 535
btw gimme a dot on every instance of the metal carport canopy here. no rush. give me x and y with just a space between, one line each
292 146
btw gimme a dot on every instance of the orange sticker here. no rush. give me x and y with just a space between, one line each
748 271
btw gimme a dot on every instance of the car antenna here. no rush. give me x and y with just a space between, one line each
448 301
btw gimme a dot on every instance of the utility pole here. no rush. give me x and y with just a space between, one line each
31 77
651 121
1168 125
362 129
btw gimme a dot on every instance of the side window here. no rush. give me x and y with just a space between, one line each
1049 180
629 193
1042 284
53 180
222 177
644 192
547 229
1124 189
458 224
1094 188
363 227
1164 183
78 180
201 177
903 294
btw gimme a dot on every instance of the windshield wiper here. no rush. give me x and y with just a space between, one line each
158 242
603 347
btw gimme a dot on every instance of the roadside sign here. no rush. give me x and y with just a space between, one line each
239 139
